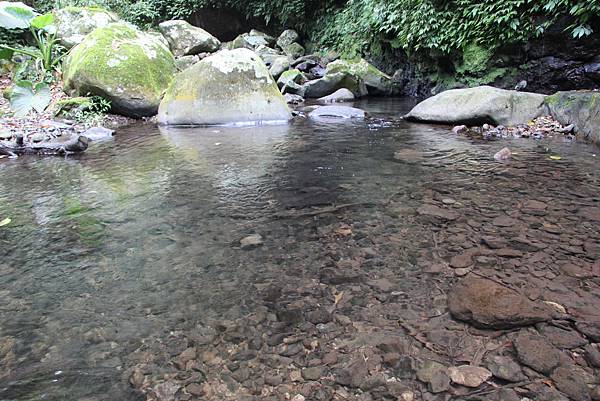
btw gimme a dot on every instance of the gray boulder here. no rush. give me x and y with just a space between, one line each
279 66
270 40
229 87
378 83
332 82
579 108
287 37
268 54
185 62
337 112
186 39
478 106
73 24
294 50
341 95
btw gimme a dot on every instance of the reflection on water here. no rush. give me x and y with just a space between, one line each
138 237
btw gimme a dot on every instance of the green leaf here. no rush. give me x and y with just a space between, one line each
24 99
5 53
15 15
42 21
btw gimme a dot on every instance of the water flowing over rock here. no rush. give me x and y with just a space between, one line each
185 39
579 108
489 305
231 86
73 24
377 82
122 64
480 105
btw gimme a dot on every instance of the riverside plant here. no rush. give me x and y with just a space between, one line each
16 15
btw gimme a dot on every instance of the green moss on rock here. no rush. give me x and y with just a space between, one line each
376 81
122 64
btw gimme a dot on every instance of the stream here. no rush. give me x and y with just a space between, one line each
120 259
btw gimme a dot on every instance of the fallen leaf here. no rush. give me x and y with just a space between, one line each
338 297
344 230
5 222
554 157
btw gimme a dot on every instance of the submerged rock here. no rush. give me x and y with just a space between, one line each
122 64
489 305
185 39
231 86
480 105
73 24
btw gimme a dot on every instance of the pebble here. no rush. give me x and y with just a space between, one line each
251 241
469 376
503 154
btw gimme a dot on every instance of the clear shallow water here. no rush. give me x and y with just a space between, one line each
139 236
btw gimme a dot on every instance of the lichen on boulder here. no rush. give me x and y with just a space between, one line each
185 39
378 83
122 64
73 24
229 87
580 108
479 105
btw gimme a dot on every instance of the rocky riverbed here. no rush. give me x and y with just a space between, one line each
352 261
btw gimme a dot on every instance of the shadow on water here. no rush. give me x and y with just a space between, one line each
138 237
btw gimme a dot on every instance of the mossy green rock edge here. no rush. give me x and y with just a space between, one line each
229 87
580 108
122 64
378 83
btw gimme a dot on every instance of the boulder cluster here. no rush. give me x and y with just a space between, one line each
202 77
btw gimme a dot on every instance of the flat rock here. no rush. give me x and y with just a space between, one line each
571 383
489 305
536 352
561 338
344 112
504 221
469 376
98 133
251 241
438 212
590 328
505 368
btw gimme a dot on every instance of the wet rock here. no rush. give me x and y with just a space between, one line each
251 241
469 376
534 351
353 375
460 129
98 133
341 95
344 112
590 328
313 373
592 355
505 368
571 384
320 315
503 154
438 212
561 338
439 382
489 305
293 99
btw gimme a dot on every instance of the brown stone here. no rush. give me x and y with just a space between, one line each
438 212
534 351
489 305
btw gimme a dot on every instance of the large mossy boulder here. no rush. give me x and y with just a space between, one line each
229 87
122 64
480 105
581 109
185 39
73 24
378 83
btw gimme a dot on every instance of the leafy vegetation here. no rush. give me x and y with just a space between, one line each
26 96
20 16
